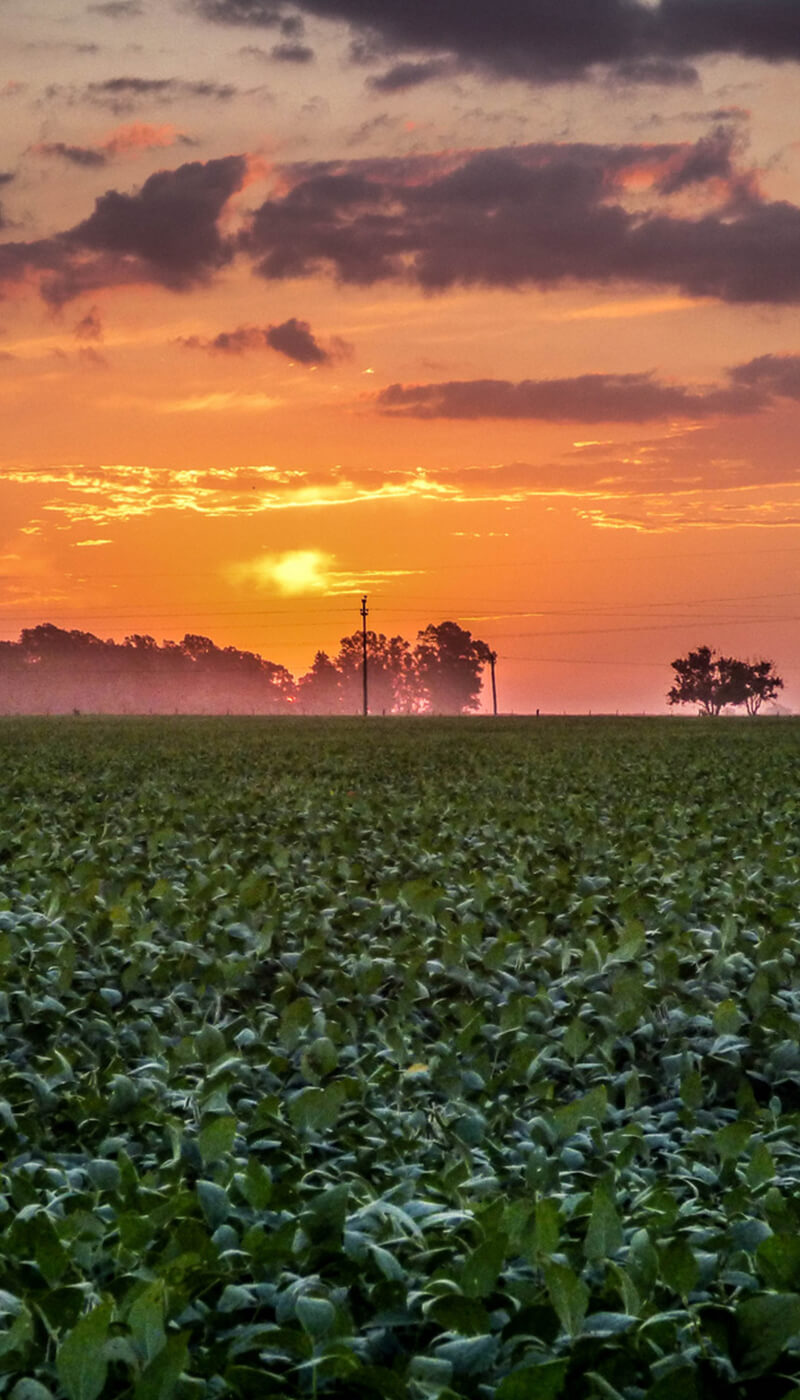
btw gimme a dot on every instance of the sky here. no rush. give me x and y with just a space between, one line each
487 311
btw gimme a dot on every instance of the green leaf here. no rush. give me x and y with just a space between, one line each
315 1315
778 1261
80 1361
214 1202
431 1371
104 1174
51 1257
642 1261
146 1321
469 1356
764 1325
678 1384
316 1110
481 1267
569 1296
547 1225
320 1058
454 1313
542 1382
728 1017
295 1018
255 1184
160 1378
590 1107
216 1137
731 1140
30 1389
761 1167
692 1089
679 1267
604 1234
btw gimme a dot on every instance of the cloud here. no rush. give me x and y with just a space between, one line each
587 398
752 387
292 53
403 76
125 140
544 42
544 215
141 136
166 233
90 327
293 338
89 496
117 9
86 156
122 94
771 374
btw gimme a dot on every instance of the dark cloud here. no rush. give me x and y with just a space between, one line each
664 72
549 40
293 338
711 158
403 76
293 53
90 327
261 14
772 374
376 125
166 234
87 156
541 215
123 94
118 9
587 398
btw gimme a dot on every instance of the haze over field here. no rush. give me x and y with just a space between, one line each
487 311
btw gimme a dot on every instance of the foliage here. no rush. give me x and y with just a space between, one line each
399 1061
711 682
51 670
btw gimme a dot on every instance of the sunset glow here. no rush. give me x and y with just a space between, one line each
486 314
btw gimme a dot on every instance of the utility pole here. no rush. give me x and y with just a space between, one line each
364 651
492 659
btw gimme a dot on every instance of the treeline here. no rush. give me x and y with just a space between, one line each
53 671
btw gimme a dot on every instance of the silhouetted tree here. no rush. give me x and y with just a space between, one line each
755 681
448 663
390 673
319 690
711 682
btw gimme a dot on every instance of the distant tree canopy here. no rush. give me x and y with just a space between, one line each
51 670
711 682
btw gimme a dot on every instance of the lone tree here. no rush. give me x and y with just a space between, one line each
710 681
756 681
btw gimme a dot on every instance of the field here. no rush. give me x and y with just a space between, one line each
400 1058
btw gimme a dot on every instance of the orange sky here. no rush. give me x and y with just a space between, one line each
499 332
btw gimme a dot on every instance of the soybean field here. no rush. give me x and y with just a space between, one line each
400 1058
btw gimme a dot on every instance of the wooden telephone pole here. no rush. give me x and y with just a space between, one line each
492 659
364 651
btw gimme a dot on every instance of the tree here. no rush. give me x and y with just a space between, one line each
389 672
758 681
711 681
448 661
319 689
